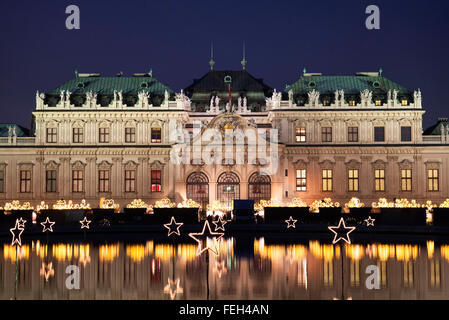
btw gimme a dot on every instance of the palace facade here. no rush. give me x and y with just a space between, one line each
324 136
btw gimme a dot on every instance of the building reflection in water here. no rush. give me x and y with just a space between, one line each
153 270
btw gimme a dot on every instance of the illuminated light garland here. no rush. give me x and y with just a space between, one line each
445 204
430 249
398 203
12 253
217 206
325 203
164 203
63 205
16 234
85 223
176 291
216 237
108 204
297 202
172 226
42 206
140 204
354 251
337 238
354 203
47 271
108 252
291 222
219 224
49 223
369 221
15 205
189 203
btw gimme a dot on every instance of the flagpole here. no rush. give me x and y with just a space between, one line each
17 272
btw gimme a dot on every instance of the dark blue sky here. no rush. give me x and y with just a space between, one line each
173 38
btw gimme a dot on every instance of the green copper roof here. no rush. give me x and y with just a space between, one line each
435 130
21 131
107 85
350 85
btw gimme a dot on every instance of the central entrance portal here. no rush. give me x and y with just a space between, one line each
228 188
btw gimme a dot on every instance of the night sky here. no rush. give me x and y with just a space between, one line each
173 38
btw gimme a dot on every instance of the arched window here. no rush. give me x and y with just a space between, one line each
228 188
197 188
259 187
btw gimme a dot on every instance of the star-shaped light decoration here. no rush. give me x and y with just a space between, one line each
47 271
211 244
347 231
173 288
370 221
291 222
85 223
48 225
21 223
219 224
16 234
173 227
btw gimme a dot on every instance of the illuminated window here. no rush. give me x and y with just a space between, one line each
130 180
379 134
301 180
433 179
326 134
404 102
300 134
130 135
2 181
51 135
156 181
434 273
406 180
406 133
378 102
379 179
104 135
327 179
77 180
156 135
353 134
352 103
354 268
50 181
328 273
408 274
77 136
25 181
103 180
353 180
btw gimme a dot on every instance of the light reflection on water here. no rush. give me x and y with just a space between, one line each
152 270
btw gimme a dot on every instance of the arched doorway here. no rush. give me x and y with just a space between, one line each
259 187
228 188
197 188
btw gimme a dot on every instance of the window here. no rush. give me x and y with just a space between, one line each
378 102
2 181
406 133
404 102
25 181
379 179
77 135
352 103
51 135
433 177
326 134
104 135
103 181
156 181
353 134
301 180
77 180
300 134
130 180
379 134
406 180
50 181
130 135
155 135
327 179
353 180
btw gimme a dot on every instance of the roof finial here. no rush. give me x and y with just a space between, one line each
211 62
76 73
244 62
304 71
380 71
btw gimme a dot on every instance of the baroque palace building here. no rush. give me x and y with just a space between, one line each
337 137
